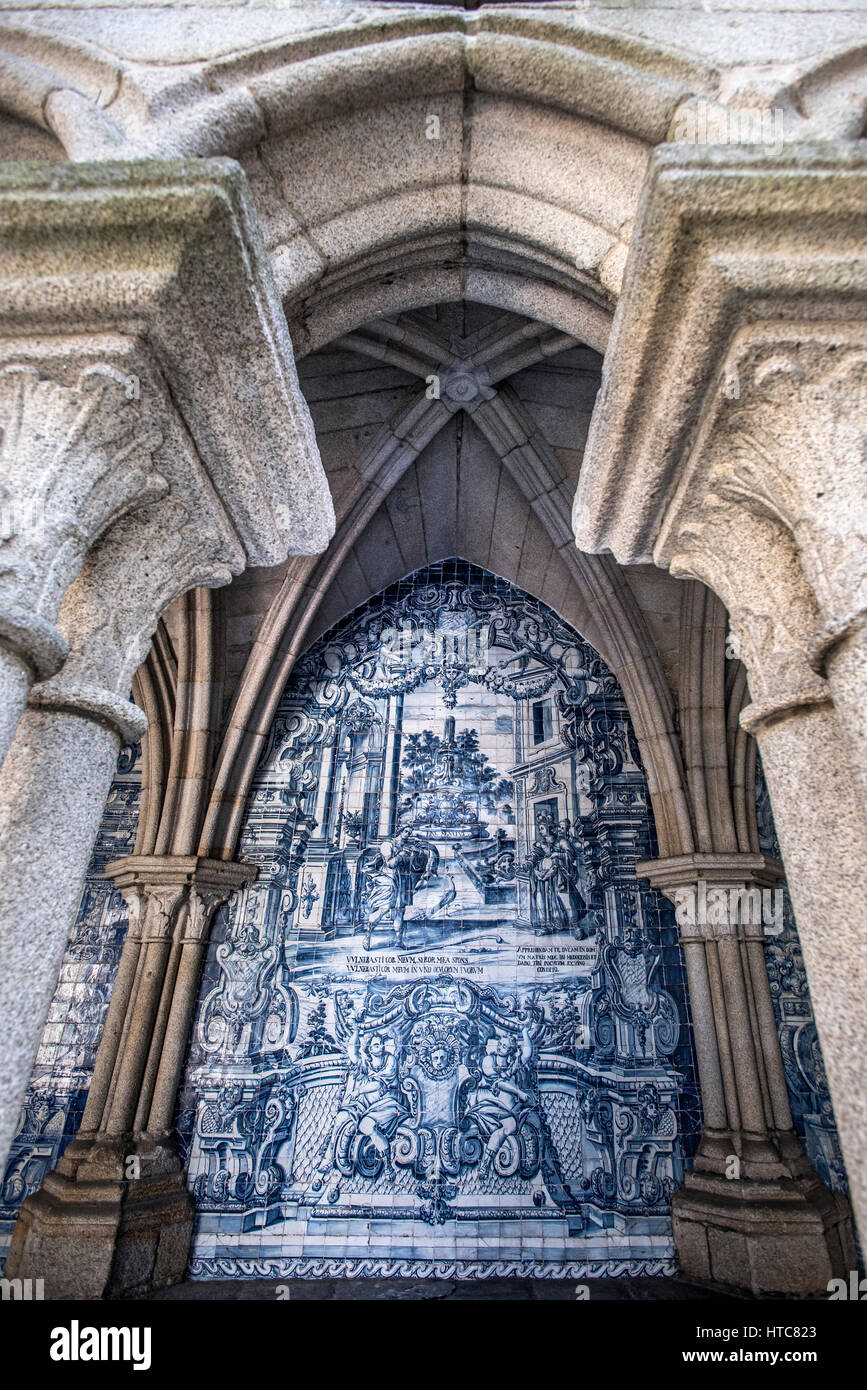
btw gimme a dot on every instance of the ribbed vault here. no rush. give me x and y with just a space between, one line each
476 476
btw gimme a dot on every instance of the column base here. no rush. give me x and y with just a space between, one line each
789 1236
90 1232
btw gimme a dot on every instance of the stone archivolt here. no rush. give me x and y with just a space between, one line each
732 458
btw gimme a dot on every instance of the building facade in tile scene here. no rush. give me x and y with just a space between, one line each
432 643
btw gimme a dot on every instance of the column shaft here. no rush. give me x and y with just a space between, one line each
192 955
161 1022
137 1043
806 765
846 669
53 787
744 1054
16 678
704 1035
113 1030
719 1021
781 1110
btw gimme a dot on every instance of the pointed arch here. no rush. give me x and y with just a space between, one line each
600 602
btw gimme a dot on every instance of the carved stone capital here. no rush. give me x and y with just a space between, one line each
159 885
153 435
204 899
191 286
717 896
73 458
160 911
145 561
749 268
752 563
784 440
727 870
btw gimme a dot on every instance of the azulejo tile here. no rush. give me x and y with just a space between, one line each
443 1019
445 1030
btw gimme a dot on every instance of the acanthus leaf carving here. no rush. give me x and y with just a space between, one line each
752 563
130 576
73 459
792 449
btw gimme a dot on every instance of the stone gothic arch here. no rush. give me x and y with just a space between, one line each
354 210
471 378
249 1005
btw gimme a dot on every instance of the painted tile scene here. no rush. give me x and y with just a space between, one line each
443 1027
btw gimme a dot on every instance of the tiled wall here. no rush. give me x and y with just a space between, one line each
314 1150
444 1031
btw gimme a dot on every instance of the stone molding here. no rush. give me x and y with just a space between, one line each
672 873
466 213
211 880
626 82
833 634
91 702
156 887
577 66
